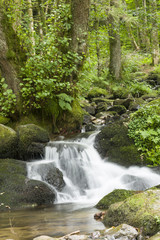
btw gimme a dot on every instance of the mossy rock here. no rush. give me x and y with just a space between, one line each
151 96
113 142
136 104
72 120
17 190
8 142
117 195
120 109
4 120
125 102
103 99
121 92
97 92
102 107
155 237
28 135
140 210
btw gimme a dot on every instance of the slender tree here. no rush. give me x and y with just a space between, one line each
31 25
154 33
80 18
114 42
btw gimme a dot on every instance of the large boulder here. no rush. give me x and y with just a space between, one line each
32 141
8 142
52 175
37 193
141 210
117 195
113 143
17 191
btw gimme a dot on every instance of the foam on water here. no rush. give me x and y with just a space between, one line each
88 177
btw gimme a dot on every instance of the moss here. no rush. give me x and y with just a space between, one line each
15 52
113 142
8 142
136 104
97 92
151 96
28 134
121 92
12 177
72 120
117 195
17 190
140 210
4 120
155 237
120 109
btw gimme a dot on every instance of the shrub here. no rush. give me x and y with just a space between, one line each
144 128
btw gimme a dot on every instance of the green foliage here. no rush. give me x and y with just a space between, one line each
144 128
97 92
47 74
64 101
7 99
137 89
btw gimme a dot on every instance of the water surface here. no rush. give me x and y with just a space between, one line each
56 221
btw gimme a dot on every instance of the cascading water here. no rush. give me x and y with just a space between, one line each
88 177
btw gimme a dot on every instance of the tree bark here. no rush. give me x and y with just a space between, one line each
7 67
80 17
114 44
154 34
31 26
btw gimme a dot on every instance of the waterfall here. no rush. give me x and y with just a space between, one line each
88 177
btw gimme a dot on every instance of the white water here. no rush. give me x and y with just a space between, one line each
88 177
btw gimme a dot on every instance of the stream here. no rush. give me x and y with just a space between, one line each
87 177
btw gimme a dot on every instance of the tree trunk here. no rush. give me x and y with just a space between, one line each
114 44
7 67
96 19
154 34
80 17
31 26
145 33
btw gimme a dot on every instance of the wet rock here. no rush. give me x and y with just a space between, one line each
86 119
140 210
52 175
30 134
18 191
38 193
8 142
113 142
99 215
90 127
117 195
122 232
95 235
